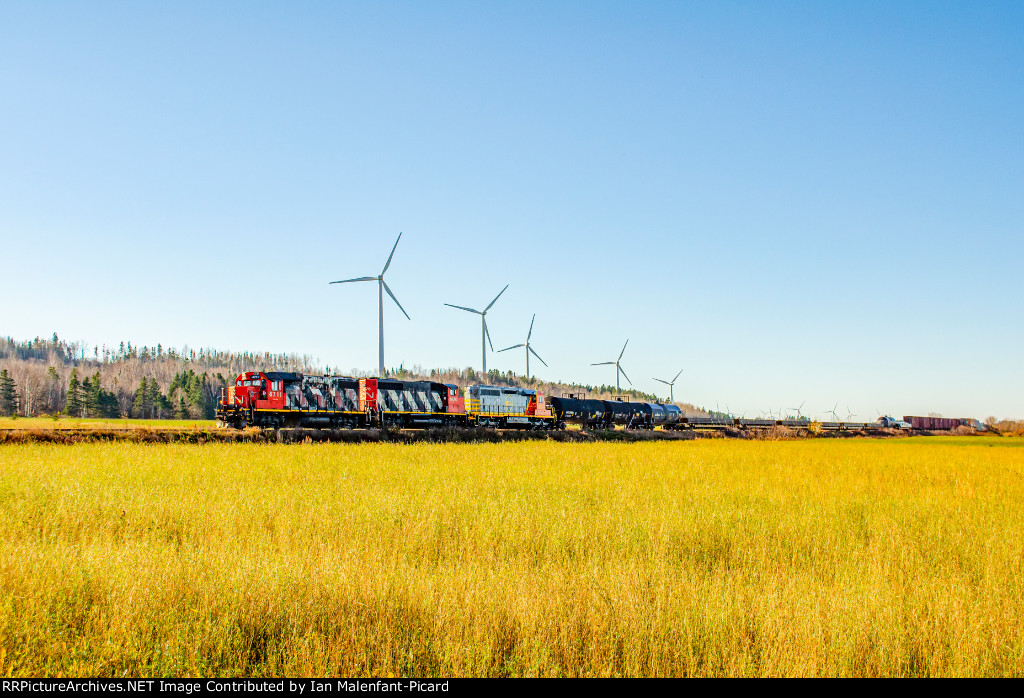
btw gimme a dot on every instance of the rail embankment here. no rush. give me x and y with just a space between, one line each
201 435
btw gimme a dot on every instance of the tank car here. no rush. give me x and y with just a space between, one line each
572 410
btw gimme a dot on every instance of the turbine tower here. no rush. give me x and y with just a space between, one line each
618 368
671 394
382 286
529 349
484 334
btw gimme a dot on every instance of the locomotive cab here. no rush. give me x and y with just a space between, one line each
259 390
456 402
246 390
252 391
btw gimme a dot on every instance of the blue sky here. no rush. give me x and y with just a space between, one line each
792 201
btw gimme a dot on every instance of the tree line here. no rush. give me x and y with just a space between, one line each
55 376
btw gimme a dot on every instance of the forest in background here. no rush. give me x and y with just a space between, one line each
55 376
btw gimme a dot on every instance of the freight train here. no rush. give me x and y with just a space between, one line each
943 423
294 400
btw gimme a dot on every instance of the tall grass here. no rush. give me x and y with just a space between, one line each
718 558
64 422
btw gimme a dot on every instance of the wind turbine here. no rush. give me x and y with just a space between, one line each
799 415
848 413
381 288
671 393
529 349
618 369
833 411
484 333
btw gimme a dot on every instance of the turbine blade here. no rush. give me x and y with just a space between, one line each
496 298
530 349
462 308
528 334
677 376
488 333
604 363
661 381
624 373
516 346
388 263
623 352
361 278
385 283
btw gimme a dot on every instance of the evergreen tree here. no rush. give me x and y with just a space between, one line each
108 406
140 403
74 404
181 412
8 395
94 396
86 397
155 399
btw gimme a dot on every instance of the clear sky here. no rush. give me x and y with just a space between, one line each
818 202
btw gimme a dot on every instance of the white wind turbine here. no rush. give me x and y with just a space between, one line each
618 368
671 393
484 333
381 288
529 349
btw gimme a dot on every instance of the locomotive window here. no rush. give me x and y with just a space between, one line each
246 382
238 382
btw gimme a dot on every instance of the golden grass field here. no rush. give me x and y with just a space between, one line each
63 422
701 558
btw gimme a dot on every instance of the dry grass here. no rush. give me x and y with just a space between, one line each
63 422
709 557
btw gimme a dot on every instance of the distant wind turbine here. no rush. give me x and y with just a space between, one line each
618 368
799 415
671 392
529 349
484 333
381 288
